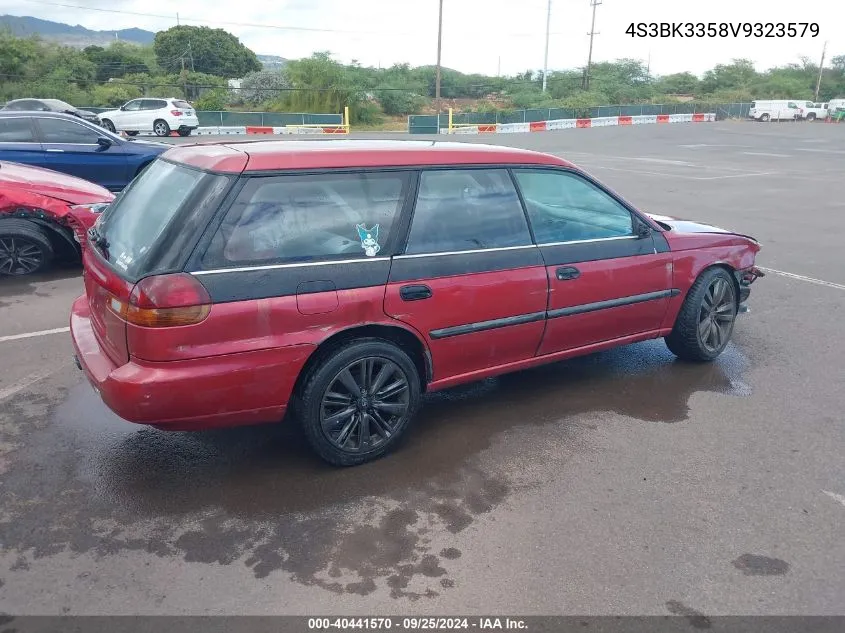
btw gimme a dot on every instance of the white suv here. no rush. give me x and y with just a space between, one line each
160 116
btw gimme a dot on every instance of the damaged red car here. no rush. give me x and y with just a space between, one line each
44 216
339 281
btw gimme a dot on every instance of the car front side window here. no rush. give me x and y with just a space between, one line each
466 209
132 106
281 219
564 207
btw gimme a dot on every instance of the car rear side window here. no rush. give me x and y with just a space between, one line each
61 131
466 209
300 218
184 105
16 130
564 207
153 104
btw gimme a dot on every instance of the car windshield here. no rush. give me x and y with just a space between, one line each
132 224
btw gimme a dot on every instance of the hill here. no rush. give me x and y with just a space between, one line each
77 36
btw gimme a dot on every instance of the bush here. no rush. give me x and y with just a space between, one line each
108 95
399 101
365 114
212 100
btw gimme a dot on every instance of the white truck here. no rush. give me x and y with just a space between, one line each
812 111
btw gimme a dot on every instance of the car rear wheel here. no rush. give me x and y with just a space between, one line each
108 125
161 128
811 116
184 132
705 323
24 248
133 133
359 401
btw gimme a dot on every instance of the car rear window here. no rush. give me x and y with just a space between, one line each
183 104
132 225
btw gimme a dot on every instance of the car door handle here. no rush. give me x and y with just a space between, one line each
414 293
567 272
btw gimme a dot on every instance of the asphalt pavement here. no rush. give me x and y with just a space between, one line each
622 483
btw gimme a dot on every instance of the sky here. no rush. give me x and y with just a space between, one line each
484 36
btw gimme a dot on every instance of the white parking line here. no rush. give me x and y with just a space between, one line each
812 280
17 337
833 495
767 154
30 380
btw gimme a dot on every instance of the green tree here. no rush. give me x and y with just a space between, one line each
119 59
212 51
677 84
264 85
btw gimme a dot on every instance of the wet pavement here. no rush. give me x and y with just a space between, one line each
625 482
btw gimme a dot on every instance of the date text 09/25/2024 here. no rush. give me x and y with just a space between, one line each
723 29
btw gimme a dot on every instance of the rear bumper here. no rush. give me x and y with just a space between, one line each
202 393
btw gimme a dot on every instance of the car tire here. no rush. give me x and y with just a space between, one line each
811 116
133 133
25 249
365 427
161 128
764 118
184 133
705 322
109 125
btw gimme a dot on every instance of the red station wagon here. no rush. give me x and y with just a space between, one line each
232 283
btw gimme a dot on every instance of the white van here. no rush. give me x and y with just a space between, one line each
777 110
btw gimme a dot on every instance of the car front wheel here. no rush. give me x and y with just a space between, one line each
359 401
108 125
705 323
24 248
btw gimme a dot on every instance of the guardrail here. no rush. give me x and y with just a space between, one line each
564 124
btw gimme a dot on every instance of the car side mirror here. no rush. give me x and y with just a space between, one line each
104 142
123 108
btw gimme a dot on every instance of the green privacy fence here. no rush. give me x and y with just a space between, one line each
214 118
427 123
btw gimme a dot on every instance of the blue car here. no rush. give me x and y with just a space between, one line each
65 143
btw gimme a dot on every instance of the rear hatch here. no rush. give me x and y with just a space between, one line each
149 229
184 108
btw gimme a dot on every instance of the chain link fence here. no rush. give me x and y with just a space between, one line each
427 123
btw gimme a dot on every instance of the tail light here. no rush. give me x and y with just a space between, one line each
176 112
165 301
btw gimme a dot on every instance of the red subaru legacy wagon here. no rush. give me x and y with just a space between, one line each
339 281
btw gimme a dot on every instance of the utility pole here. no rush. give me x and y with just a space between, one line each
499 67
594 4
821 68
192 57
546 56
177 18
439 42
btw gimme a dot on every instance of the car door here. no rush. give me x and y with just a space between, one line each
610 276
130 116
469 280
151 109
72 147
19 143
